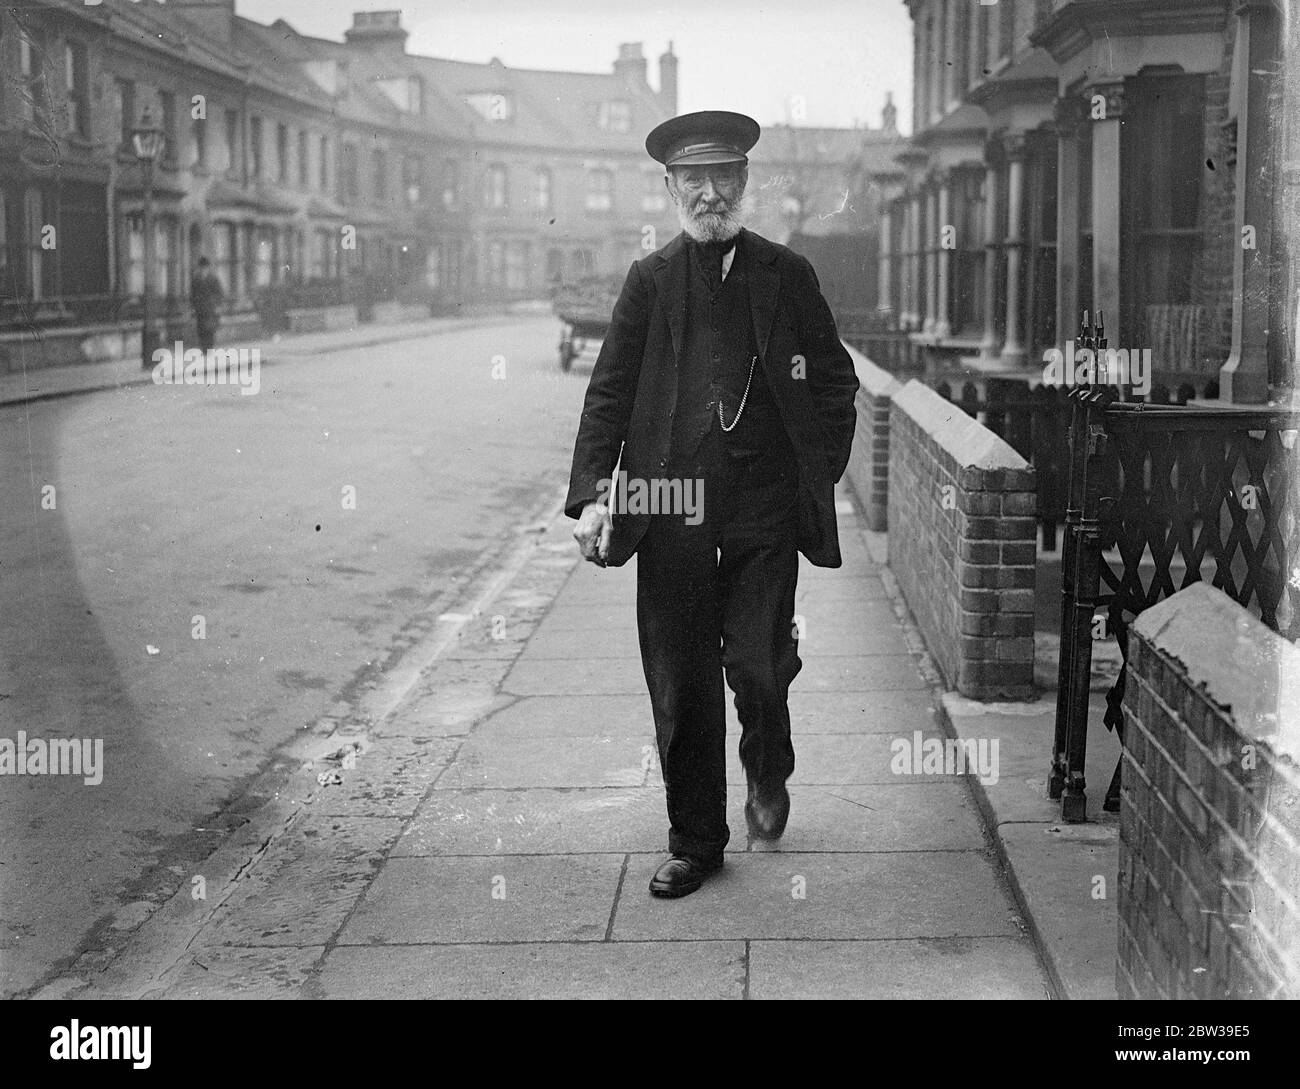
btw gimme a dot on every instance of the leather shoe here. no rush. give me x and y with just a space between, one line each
681 875
767 811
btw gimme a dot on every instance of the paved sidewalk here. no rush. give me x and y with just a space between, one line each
494 837
43 383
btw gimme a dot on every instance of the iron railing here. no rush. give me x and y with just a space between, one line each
1160 497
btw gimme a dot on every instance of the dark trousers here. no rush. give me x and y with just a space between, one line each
712 598
207 329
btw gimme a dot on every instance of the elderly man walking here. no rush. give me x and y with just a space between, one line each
721 378
206 295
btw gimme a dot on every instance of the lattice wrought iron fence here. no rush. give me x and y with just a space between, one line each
1160 497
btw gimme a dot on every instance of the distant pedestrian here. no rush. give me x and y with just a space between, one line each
206 296
721 378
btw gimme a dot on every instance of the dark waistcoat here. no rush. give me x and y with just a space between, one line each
717 351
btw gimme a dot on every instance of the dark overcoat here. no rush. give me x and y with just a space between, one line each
633 389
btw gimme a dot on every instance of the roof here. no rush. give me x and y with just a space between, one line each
871 149
548 109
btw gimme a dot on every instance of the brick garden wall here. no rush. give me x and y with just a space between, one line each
868 471
961 506
1209 863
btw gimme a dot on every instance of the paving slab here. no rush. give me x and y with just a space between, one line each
537 821
300 892
932 894
886 817
569 716
1075 914
896 712
597 761
449 713
388 782
583 643
216 972
927 968
606 676
853 673
853 586
619 970
589 617
441 900
1051 865
838 760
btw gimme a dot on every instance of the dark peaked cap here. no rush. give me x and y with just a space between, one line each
705 138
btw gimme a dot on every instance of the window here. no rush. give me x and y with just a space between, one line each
542 189
494 187
167 103
517 254
966 274
450 185
282 153
31 70
600 190
412 179
304 158
36 270
615 116
406 94
76 78
492 105
1163 156
1006 30
124 99
264 257
232 142
255 142
223 255
554 265
324 163
164 262
320 260
348 179
495 272
199 134
381 174
654 198
7 286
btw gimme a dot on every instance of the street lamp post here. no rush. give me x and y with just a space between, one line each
147 140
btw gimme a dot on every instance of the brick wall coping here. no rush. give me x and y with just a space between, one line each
1241 665
971 444
875 380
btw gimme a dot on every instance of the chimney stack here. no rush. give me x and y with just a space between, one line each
630 64
889 115
378 32
668 81
214 19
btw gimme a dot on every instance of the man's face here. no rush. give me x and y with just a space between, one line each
708 199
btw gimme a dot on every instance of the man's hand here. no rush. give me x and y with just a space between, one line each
593 531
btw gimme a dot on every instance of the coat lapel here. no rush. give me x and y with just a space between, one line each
764 281
670 280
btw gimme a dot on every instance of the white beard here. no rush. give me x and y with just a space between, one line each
710 226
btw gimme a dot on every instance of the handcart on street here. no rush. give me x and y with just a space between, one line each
584 308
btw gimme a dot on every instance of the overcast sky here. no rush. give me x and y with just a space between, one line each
831 59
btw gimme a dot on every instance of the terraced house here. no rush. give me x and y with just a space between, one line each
316 175
1135 158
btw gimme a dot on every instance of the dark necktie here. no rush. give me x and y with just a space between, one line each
711 254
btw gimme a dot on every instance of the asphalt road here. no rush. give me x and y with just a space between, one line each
171 504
